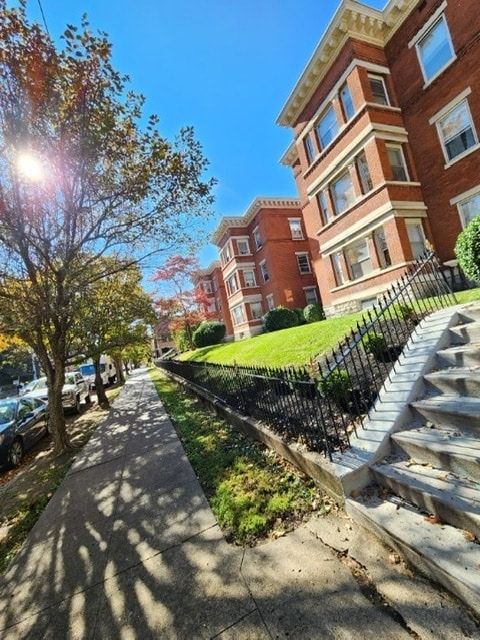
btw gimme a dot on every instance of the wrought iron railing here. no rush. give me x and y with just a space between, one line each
321 405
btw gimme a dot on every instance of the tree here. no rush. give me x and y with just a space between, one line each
80 178
467 249
186 306
114 312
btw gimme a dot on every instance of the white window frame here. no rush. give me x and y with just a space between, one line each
251 273
348 108
365 265
381 245
232 288
238 315
264 270
337 197
435 20
465 199
207 286
440 119
270 301
417 224
255 315
296 230
226 254
324 208
332 131
257 238
381 79
364 175
246 247
336 259
397 149
309 148
303 262
309 299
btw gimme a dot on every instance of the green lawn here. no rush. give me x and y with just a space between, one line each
295 346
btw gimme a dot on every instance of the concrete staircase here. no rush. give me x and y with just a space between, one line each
425 498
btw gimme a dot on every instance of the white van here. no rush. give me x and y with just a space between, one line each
108 371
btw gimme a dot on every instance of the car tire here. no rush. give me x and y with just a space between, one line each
15 454
76 408
88 399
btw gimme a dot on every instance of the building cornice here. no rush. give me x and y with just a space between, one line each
352 20
239 222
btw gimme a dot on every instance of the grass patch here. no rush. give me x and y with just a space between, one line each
253 492
296 346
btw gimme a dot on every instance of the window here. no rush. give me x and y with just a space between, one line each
416 237
256 310
327 127
311 295
219 304
358 259
243 247
226 254
338 268
397 164
207 286
264 270
435 49
347 102
379 91
456 131
309 148
382 248
469 208
237 315
249 279
270 302
343 192
258 238
323 206
364 173
232 284
212 307
215 283
296 228
303 263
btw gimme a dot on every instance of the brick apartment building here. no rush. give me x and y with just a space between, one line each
386 154
264 262
211 281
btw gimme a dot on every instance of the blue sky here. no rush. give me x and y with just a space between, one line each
226 67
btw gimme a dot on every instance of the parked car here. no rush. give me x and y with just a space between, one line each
23 421
75 390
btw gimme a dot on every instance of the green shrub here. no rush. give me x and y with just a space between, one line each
467 250
280 318
300 316
374 343
336 385
209 333
404 311
313 313
180 338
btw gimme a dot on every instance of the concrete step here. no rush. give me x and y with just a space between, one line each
447 449
459 356
454 500
470 313
460 382
465 333
450 411
440 552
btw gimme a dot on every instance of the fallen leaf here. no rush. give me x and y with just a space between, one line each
433 519
468 535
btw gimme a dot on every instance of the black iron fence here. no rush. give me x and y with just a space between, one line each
323 404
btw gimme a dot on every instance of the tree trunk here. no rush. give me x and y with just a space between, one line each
56 380
99 388
119 370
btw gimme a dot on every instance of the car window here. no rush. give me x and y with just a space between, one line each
7 411
24 406
70 378
41 383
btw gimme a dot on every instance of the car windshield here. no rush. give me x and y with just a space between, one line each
41 383
7 411
70 379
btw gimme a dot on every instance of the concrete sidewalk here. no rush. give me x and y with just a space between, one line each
128 548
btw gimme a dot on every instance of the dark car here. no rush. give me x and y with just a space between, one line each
23 421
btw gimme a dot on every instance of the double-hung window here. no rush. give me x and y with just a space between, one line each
309 148
382 247
397 163
337 268
327 127
249 278
256 310
232 284
207 286
378 89
343 192
295 228
364 173
264 270
435 49
469 208
416 237
243 247
358 259
226 254
311 295
258 238
323 207
456 131
303 263
238 315
347 102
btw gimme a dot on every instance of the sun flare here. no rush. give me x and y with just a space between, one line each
30 167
